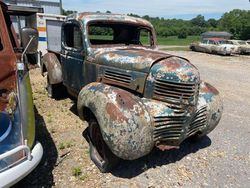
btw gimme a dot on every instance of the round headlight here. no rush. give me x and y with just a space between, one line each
5 125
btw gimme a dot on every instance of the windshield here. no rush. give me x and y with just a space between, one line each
224 42
119 34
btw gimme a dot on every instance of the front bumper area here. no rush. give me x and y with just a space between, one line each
14 174
172 124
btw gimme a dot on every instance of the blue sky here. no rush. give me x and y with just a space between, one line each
184 9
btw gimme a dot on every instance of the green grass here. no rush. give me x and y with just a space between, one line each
171 41
174 40
100 37
76 171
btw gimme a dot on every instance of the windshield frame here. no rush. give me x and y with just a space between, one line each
122 22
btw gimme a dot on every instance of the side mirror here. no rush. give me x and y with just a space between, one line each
27 34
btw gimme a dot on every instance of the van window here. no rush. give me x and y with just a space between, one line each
204 41
73 36
211 42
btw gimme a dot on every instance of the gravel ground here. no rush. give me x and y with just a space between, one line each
222 159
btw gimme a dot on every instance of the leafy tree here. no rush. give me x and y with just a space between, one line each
68 12
237 22
212 22
199 21
182 33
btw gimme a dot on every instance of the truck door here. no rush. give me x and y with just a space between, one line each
73 56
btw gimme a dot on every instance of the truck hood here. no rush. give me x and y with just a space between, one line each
131 59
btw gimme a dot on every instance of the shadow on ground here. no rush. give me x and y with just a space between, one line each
42 176
130 169
73 108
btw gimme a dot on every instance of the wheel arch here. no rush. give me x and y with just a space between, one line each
51 64
123 119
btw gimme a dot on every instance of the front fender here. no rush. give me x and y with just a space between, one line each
124 120
51 63
209 96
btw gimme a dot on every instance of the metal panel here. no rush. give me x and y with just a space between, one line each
54 34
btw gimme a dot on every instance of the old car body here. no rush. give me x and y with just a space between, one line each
133 96
215 46
243 46
19 152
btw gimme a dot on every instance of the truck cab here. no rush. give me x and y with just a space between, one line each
133 96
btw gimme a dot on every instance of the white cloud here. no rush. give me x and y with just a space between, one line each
161 8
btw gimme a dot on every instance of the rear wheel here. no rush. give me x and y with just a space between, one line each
100 153
55 90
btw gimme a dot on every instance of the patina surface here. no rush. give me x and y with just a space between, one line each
140 97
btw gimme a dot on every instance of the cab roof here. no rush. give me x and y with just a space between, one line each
93 16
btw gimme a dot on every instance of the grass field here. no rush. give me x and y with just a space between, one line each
171 41
175 41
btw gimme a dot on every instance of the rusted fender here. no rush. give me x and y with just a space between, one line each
51 64
210 97
124 120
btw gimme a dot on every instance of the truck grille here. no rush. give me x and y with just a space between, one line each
117 78
165 90
199 121
168 128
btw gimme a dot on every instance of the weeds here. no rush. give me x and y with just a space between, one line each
76 171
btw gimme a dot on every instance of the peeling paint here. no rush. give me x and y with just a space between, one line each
141 97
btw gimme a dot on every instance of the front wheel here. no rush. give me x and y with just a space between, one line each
100 153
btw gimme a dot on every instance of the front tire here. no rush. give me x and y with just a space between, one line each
100 153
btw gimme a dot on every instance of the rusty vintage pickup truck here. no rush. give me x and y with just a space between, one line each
132 96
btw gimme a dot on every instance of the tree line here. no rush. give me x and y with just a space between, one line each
237 22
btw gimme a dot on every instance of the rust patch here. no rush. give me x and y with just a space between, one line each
163 147
114 113
173 65
124 100
209 89
7 78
